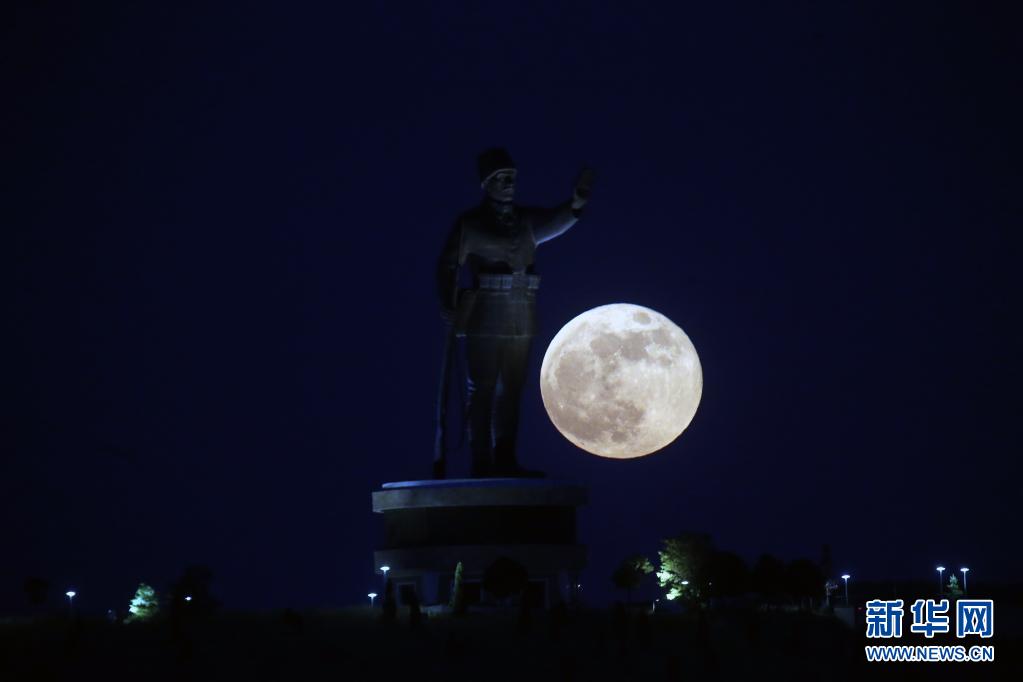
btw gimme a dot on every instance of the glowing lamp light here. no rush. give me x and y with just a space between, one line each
845 577
372 596
188 598
70 594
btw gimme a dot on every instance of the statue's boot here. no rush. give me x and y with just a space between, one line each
505 464
516 471
481 465
481 471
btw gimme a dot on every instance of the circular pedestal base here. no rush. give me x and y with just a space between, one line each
432 526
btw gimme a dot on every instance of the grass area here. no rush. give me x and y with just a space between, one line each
354 644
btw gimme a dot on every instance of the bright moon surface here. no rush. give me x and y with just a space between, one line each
621 381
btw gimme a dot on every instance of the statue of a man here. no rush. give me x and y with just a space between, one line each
496 241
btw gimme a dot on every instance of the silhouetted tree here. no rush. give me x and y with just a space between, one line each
620 626
294 621
454 646
558 618
644 633
190 595
729 574
36 589
705 645
804 580
389 611
505 577
630 573
568 665
415 614
525 620
458 605
674 668
752 623
825 562
768 578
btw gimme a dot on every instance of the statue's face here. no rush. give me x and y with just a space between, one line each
501 186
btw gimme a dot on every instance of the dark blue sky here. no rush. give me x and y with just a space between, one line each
222 227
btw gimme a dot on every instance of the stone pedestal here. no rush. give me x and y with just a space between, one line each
431 526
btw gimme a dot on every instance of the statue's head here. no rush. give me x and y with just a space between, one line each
497 174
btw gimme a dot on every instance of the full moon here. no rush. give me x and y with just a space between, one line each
621 381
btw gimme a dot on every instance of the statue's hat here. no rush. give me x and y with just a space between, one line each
493 161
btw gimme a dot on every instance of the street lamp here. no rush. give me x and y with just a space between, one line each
941 585
188 598
845 577
384 570
71 601
372 596
965 571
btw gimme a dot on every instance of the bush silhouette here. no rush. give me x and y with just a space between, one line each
458 605
415 614
630 573
36 589
190 596
504 578
390 606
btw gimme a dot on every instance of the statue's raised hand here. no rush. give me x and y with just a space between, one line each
582 188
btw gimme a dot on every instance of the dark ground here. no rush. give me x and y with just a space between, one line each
354 644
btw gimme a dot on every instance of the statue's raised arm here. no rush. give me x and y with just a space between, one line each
554 222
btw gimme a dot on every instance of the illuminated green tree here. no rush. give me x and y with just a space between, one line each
685 561
953 587
629 574
144 606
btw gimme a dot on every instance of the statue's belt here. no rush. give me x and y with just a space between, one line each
522 281
525 283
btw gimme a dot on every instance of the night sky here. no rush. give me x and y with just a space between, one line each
221 227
